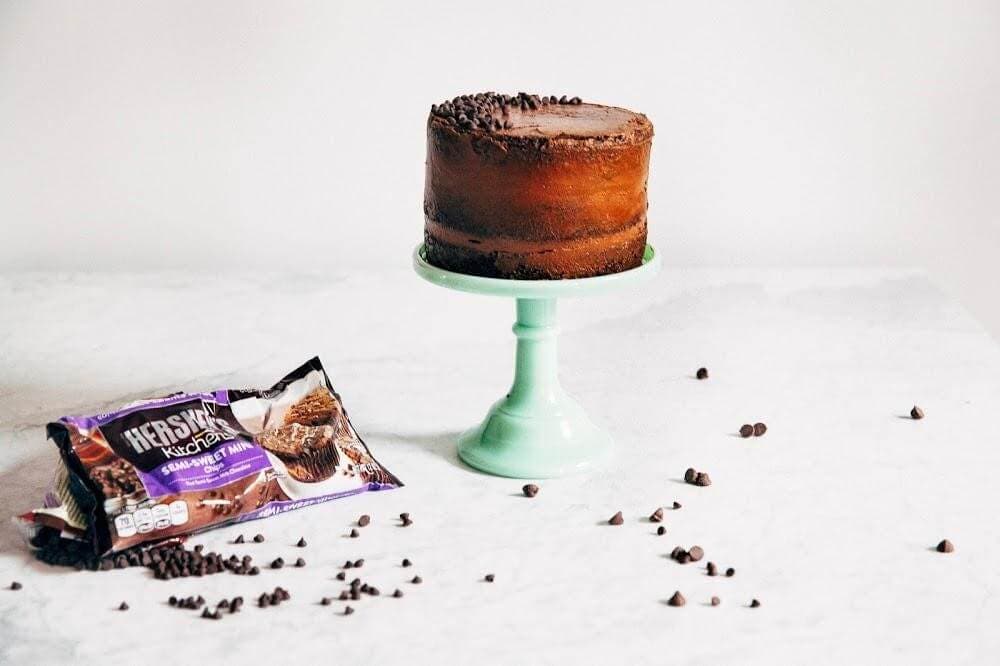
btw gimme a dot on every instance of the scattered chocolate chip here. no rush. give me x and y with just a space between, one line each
916 413
530 490
677 599
945 546
488 578
300 562
690 475
123 606
405 517
398 593
238 539
407 562
754 603
696 553
348 610
746 430
344 596
730 572
417 580
616 519
348 564
172 600
301 542
277 563
355 534
364 520
258 538
359 563
702 479
15 585
712 569
326 601
656 516
661 530
253 571
677 505
759 429
702 373
223 604
716 601
341 575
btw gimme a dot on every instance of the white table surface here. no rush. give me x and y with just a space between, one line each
829 519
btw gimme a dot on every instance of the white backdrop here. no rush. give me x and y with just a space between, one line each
241 135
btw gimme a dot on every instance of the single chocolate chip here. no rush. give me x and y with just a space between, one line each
223 604
689 475
759 429
364 520
277 563
616 519
530 490
300 562
200 600
489 578
746 430
716 601
326 601
15 585
348 564
348 610
684 557
754 604
712 569
398 593
355 534
676 505
344 596
730 572
341 575
661 530
206 613
373 591
916 413
702 373
172 600
702 479
677 599
656 516
258 538
301 542
407 562
359 563
123 606
253 571
576 100
696 553
417 580
945 547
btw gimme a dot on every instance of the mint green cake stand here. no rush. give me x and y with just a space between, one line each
537 430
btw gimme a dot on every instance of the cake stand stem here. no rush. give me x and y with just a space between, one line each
537 430
536 367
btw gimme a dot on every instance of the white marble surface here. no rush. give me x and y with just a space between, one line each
829 519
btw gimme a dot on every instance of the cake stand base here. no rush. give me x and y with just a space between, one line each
537 430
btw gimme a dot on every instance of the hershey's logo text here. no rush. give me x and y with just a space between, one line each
182 434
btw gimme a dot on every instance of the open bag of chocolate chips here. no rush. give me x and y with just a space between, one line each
166 467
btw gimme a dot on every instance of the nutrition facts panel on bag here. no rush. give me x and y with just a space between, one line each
149 519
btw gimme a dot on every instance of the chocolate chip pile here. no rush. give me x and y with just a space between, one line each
489 111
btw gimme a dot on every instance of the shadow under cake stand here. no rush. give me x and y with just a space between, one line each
537 430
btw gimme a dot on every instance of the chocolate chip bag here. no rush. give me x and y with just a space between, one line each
171 466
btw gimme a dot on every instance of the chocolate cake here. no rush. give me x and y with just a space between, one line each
528 187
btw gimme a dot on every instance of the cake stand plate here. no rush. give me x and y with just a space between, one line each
537 430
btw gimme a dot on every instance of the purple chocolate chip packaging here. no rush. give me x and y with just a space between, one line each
167 467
